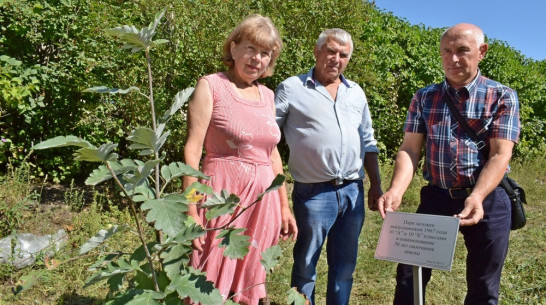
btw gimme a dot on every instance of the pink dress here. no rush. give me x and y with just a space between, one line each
239 141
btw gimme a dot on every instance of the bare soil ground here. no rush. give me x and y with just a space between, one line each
52 207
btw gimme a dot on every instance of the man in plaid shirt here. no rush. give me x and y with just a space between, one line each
463 182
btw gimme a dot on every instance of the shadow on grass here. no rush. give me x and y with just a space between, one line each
75 299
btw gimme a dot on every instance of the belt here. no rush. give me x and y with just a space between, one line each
459 192
338 182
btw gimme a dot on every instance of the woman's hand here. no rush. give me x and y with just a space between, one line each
198 242
289 226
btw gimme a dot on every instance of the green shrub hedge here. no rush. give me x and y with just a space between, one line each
52 50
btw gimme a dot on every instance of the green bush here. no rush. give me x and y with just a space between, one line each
62 50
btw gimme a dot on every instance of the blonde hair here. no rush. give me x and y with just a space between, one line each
260 31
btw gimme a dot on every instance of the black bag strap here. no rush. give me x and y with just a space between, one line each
480 144
507 186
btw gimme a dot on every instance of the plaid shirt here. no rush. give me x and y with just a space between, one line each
452 158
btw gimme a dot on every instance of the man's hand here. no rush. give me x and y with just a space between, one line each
374 193
389 202
472 212
405 165
500 152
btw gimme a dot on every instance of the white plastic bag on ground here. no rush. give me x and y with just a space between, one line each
28 246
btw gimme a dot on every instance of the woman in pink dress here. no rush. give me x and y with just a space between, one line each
232 116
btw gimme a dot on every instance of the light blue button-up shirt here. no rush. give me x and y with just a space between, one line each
327 139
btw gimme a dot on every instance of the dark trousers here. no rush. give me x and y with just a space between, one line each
486 242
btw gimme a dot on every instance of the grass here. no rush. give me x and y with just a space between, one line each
82 217
15 195
523 280
524 275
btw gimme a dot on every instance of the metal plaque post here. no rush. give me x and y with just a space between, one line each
417 285
420 240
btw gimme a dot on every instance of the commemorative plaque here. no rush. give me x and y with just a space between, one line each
418 239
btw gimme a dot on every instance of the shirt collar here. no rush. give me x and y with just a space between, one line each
309 79
471 87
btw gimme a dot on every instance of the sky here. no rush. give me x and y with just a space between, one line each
520 23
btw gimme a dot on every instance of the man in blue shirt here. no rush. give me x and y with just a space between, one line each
328 128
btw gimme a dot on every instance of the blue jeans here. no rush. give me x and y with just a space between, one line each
486 242
337 212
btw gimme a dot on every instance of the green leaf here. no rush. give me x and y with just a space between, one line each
142 280
109 271
143 192
98 175
101 154
173 299
133 180
159 42
294 297
220 204
124 264
167 213
144 171
102 173
115 282
130 36
62 141
178 101
175 258
140 296
275 185
103 89
146 140
179 169
103 261
236 244
147 297
200 188
195 286
123 298
101 236
270 258
10 61
149 32
189 233
28 280
139 254
163 281
134 39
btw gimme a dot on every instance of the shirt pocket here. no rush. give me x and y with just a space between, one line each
480 126
440 133
354 113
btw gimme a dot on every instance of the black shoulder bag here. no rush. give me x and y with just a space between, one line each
512 188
